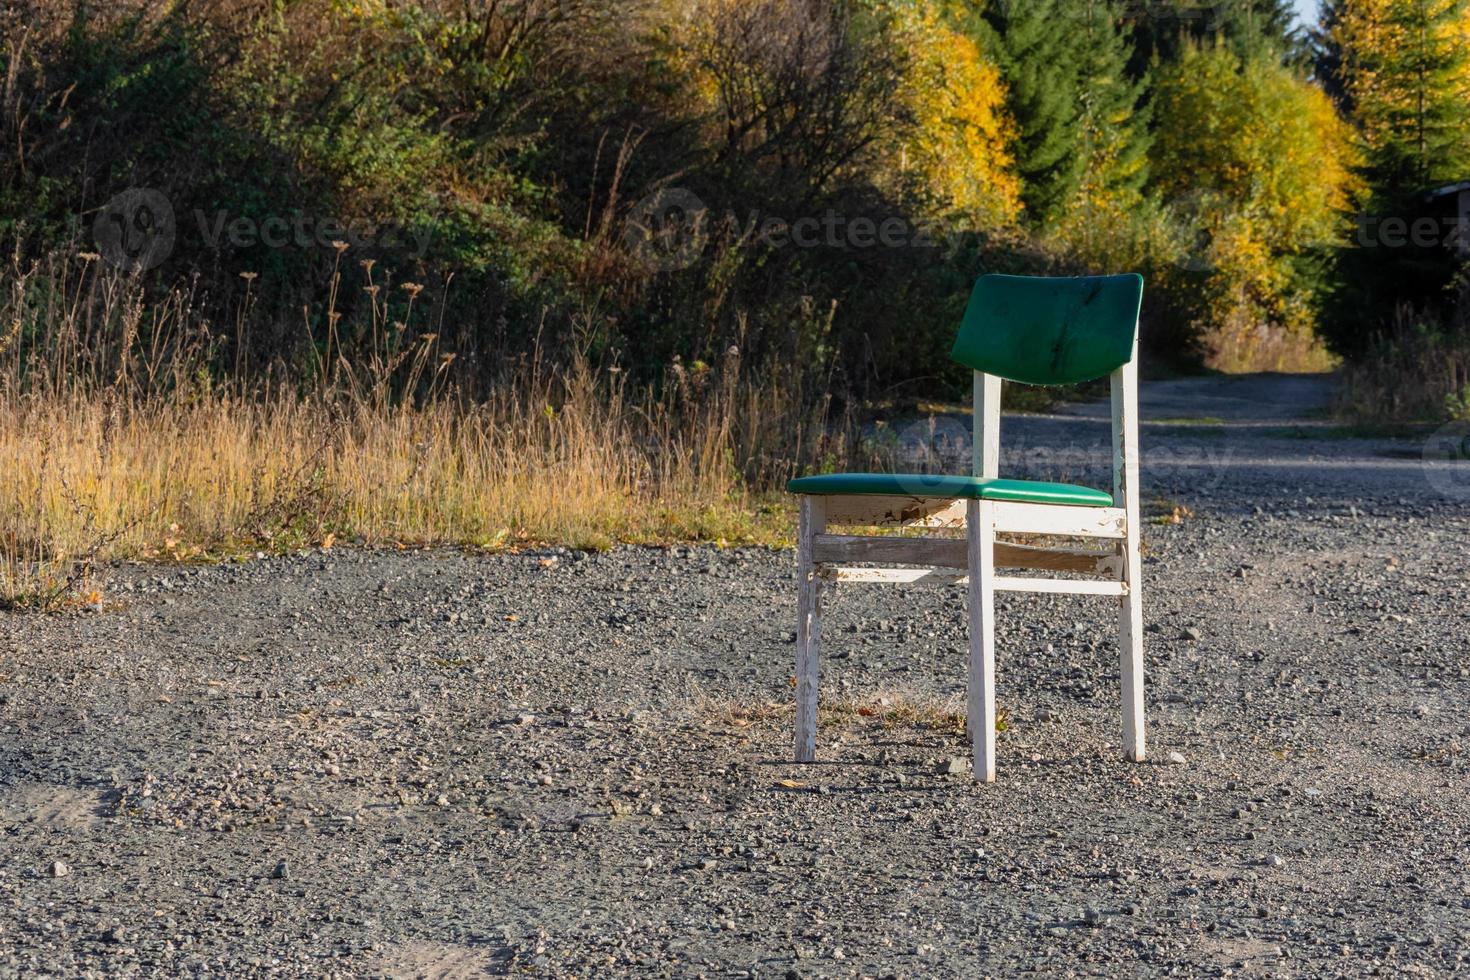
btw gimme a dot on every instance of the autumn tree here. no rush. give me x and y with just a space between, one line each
1262 163
957 152
1404 66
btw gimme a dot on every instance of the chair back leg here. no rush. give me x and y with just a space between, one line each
812 521
980 717
1130 647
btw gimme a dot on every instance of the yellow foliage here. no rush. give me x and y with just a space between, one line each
1265 166
1255 139
1371 34
950 145
958 150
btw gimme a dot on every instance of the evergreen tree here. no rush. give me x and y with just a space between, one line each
1407 67
1327 57
1037 48
1080 136
1114 130
1403 68
1251 28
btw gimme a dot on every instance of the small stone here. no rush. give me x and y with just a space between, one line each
59 869
282 870
953 767
1176 759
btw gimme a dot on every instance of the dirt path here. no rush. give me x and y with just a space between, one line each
358 763
1237 399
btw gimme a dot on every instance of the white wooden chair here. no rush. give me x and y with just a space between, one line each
1031 330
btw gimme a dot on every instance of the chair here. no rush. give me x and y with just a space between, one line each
1039 331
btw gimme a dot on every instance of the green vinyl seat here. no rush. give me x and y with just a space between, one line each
950 487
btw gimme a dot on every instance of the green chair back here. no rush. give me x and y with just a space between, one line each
1050 331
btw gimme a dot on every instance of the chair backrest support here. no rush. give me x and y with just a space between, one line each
1055 331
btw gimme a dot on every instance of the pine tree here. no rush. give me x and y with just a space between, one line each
1115 138
1259 26
1327 56
1251 28
1405 65
1403 68
1081 138
1036 46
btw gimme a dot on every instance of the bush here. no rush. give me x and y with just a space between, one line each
1417 371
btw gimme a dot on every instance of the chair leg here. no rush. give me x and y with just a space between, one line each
1130 652
980 529
812 521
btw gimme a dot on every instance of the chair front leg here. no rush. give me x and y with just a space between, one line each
980 529
812 521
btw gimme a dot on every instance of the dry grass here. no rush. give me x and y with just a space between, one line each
118 440
1419 371
1242 347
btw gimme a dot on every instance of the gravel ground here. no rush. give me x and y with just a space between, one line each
436 764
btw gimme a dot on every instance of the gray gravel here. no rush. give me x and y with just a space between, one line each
439 764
